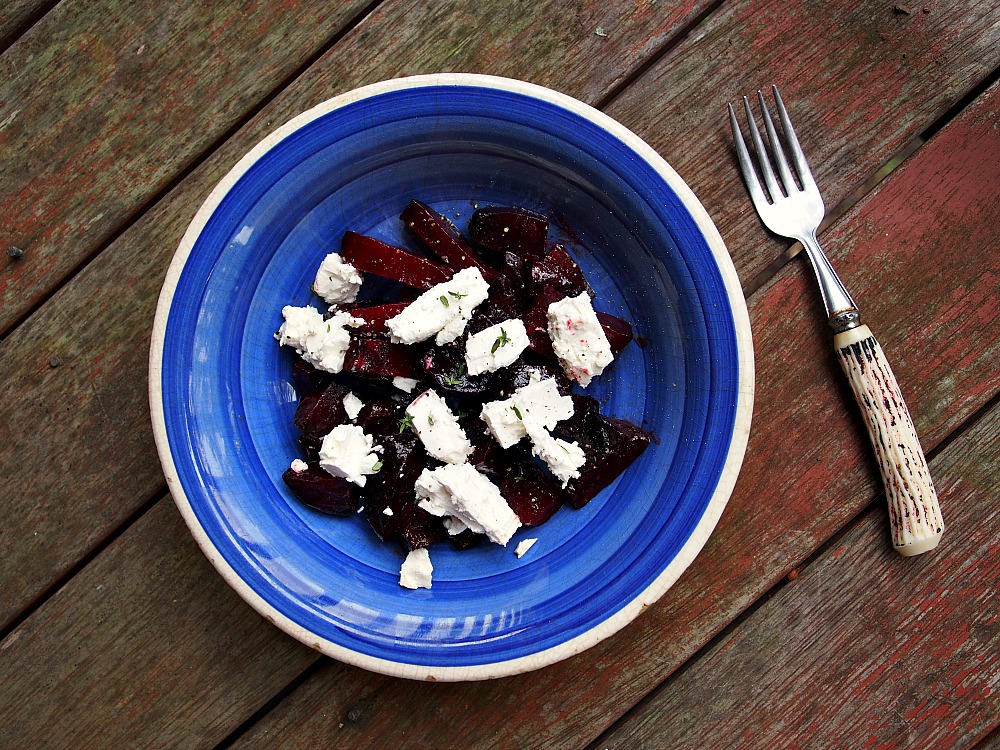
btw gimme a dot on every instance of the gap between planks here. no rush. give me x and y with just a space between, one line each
196 162
818 554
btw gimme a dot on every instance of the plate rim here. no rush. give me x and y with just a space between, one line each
712 512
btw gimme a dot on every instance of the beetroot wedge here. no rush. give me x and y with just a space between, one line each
531 493
442 239
391 262
501 229
321 491
561 272
379 357
320 412
618 331
611 445
403 458
375 316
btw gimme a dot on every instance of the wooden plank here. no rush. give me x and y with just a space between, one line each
847 72
865 648
108 479
945 351
123 636
135 262
100 459
90 143
102 109
16 17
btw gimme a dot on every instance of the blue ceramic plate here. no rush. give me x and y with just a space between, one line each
222 399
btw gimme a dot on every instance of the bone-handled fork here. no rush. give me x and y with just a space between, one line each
796 212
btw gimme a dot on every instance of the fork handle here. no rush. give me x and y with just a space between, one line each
914 512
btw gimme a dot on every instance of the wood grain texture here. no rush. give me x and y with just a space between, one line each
805 421
16 17
860 80
80 419
864 649
569 703
123 656
87 424
101 109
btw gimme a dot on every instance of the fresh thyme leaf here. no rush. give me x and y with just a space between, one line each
377 467
430 420
405 422
459 295
502 340
517 412
444 300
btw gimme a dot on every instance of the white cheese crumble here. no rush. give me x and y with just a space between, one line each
563 459
298 466
578 339
438 428
353 405
348 452
337 281
387 511
442 311
461 492
321 343
416 570
404 384
538 401
497 346
523 546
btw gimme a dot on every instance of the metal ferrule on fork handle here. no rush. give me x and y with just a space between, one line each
841 309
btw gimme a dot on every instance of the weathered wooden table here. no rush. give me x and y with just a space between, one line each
797 626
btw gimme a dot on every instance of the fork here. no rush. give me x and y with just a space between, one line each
796 212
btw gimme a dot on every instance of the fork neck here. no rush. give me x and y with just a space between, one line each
841 309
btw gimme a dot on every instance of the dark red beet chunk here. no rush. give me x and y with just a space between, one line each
306 378
503 229
323 492
536 320
381 416
378 356
561 272
531 493
390 262
375 316
320 412
618 331
611 446
403 458
442 239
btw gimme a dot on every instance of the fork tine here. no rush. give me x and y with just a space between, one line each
779 153
762 158
746 165
798 157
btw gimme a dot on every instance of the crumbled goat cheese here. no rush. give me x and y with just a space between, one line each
578 339
438 428
337 281
348 452
404 384
416 570
321 343
538 401
523 546
497 346
298 466
353 405
461 492
442 311
387 511
563 459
